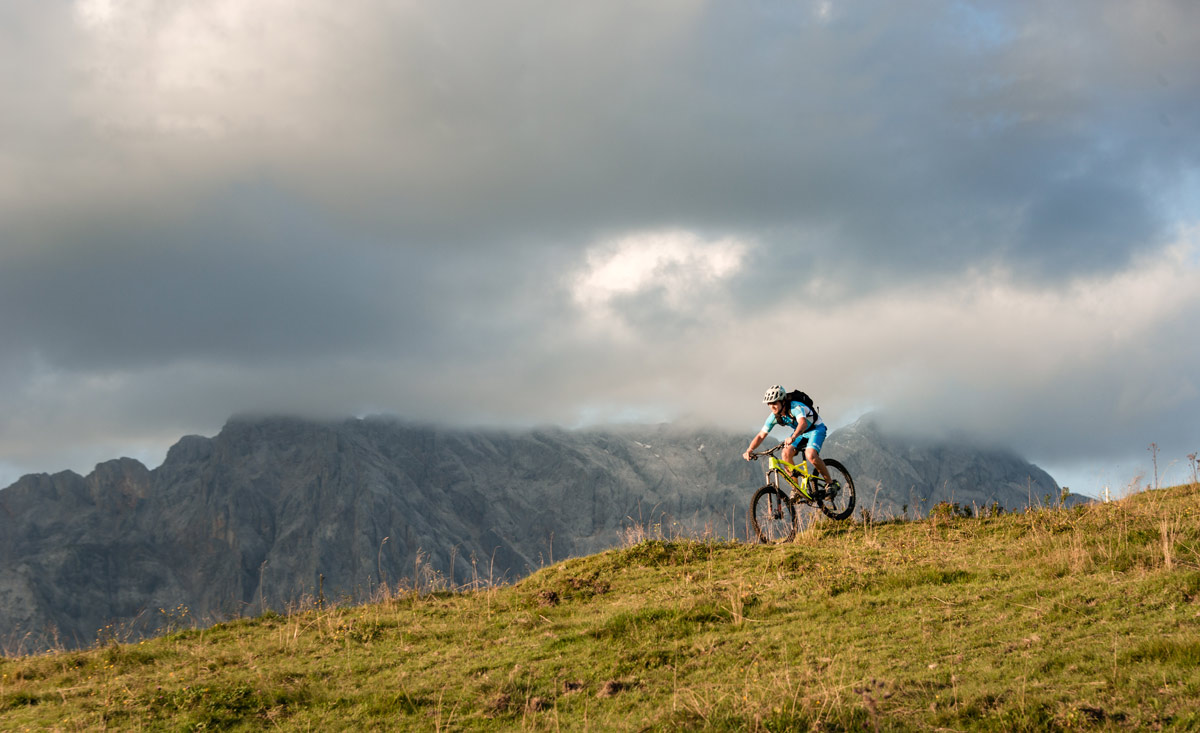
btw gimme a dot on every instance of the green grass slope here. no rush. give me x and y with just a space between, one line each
1087 618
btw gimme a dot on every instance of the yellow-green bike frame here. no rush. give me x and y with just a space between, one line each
779 467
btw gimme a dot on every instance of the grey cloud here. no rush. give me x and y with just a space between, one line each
895 130
427 179
248 277
1088 221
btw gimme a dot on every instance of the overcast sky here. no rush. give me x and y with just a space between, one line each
981 217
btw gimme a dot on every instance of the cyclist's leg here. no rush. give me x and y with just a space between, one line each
815 439
793 447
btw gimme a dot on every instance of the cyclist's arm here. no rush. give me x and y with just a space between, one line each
754 443
803 423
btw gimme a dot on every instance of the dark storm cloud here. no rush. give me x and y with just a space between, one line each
895 130
911 141
1087 220
249 277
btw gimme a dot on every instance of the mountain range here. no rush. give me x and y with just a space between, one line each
272 511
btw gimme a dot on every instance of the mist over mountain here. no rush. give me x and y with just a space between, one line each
271 510
902 474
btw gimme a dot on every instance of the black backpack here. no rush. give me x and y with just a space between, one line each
798 396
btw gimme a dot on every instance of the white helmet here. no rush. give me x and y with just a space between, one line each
774 394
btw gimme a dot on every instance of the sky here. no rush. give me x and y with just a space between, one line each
981 219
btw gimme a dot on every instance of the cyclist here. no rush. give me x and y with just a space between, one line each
808 431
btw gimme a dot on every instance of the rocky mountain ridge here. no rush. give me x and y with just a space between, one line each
271 510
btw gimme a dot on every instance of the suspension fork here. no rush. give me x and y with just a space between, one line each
776 468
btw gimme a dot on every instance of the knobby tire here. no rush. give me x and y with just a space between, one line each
842 505
772 515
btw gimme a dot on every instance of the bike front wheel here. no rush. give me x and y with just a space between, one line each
772 515
840 504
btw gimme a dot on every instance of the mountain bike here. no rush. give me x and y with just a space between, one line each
773 510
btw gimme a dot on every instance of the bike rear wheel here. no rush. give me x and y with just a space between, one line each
841 504
772 515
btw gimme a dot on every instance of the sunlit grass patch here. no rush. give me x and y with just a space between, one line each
1050 619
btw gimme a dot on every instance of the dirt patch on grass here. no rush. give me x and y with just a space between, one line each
536 704
499 704
611 688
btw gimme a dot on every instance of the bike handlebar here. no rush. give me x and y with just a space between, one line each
754 455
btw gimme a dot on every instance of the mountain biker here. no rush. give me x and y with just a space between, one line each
808 430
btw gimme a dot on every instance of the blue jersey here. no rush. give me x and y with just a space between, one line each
791 418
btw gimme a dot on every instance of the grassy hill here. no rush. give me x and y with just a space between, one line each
1068 618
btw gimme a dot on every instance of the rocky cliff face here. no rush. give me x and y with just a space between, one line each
272 510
